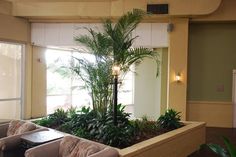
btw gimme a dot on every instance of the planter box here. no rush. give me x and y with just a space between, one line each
177 143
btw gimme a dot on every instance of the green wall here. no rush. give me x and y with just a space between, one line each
211 60
164 78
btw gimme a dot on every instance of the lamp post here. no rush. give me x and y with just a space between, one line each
115 73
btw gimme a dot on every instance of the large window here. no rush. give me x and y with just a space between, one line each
65 91
10 80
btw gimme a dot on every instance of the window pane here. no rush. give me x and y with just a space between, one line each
57 83
57 102
10 71
10 109
64 92
10 80
81 99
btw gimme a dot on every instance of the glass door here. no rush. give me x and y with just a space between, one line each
11 88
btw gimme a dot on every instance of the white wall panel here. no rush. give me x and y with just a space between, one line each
151 35
66 34
80 29
159 37
52 34
143 31
38 33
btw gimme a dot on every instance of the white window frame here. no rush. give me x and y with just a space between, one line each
21 98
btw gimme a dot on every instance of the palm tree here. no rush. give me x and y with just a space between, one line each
111 47
121 38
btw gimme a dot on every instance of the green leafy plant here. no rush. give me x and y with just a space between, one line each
112 46
91 124
72 112
100 127
230 150
58 117
47 122
170 120
117 136
54 120
120 135
144 127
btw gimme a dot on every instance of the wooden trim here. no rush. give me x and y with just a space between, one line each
153 19
210 102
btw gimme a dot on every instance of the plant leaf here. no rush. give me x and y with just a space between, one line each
218 149
230 147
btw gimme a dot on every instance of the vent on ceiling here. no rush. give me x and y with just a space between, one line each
158 8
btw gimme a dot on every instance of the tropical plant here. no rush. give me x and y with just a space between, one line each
144 126
99 127
44 122
170 120
120 135
56 119
111 47
230 148
93 125
97 80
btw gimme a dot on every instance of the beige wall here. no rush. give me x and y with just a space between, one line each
39 9
178 50
5 7
39 82
14 29
218 114
225 12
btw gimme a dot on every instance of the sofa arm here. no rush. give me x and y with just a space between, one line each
50 149
3 130
10 142
107 152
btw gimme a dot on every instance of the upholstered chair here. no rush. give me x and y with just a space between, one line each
71 146
11 132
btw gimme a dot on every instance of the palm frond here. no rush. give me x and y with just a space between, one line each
98 43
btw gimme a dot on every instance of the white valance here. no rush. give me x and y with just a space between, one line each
151 35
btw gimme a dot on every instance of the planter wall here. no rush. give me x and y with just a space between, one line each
177 143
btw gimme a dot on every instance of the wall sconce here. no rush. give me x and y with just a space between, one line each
178 77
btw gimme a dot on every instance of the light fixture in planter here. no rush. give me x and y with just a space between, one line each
115 73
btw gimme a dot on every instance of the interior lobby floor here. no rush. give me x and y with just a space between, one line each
213 135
